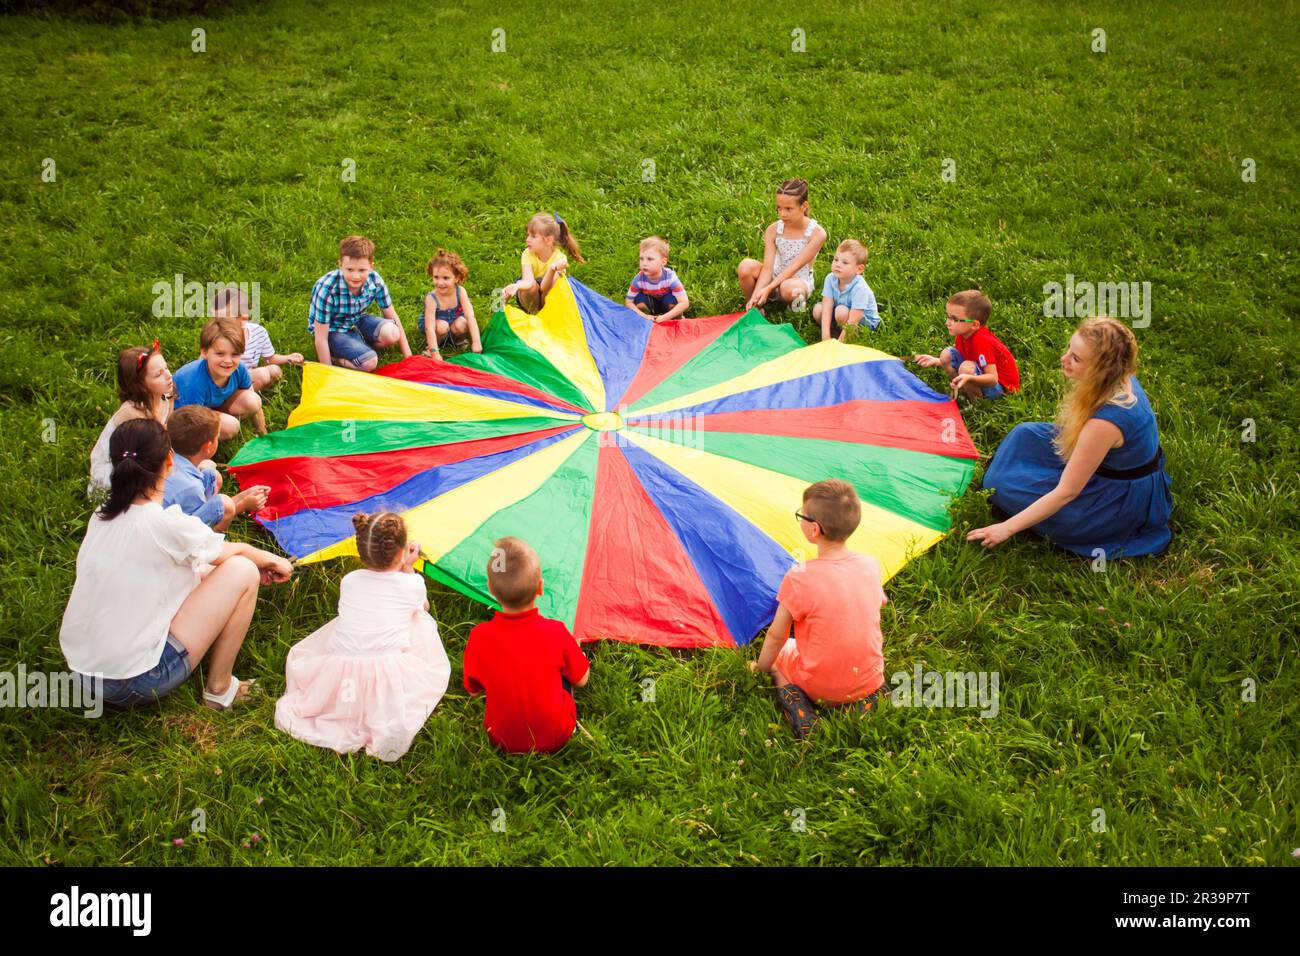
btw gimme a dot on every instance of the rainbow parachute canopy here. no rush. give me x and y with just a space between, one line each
656 468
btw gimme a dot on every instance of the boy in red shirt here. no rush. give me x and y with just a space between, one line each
977 363
523 662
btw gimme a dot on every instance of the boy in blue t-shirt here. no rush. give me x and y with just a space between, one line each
217 379
655 291
847 300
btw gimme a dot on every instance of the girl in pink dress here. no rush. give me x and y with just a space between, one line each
370 677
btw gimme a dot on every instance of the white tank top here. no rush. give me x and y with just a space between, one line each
787 250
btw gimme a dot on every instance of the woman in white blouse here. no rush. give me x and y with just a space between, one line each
157 589
144 384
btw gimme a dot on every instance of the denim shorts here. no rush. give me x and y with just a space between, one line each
954 363
170 672
357 344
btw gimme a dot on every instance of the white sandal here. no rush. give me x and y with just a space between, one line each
228 700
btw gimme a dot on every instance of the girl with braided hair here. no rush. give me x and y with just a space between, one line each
1094 481
372 676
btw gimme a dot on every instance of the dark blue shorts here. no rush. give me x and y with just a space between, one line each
357 344
655 304
954 363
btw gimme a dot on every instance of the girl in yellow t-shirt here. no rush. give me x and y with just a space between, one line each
542 261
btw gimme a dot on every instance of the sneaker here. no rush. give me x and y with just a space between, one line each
798 708
860 708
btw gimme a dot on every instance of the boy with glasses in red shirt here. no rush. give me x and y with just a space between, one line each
526 664
977 363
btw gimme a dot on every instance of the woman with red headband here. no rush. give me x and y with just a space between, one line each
144 384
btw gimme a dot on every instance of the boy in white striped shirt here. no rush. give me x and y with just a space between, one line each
231 301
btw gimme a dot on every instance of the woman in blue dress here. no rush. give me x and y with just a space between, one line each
1094 481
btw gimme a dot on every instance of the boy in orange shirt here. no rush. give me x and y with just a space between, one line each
833 603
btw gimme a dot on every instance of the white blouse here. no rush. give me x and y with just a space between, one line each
133 574
375 609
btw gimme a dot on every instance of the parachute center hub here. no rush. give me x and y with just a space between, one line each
603 421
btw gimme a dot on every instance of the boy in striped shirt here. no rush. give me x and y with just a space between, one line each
656 292
232 302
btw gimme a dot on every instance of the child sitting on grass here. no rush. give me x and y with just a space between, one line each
526 664
541 262
655 291
790 247
217 379
446 314
833 602
194 433
372 676
146 389
846 297
343 331
977 363
231 302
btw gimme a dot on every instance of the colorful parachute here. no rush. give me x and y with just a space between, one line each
656 468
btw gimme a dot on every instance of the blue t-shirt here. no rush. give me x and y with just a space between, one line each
194 491
858 295
194 386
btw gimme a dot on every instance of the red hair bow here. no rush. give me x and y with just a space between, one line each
139 359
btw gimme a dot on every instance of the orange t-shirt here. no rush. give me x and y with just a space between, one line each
835 603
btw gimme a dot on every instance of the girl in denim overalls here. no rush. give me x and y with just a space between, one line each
446 314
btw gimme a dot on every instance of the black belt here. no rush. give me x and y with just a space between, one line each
1132 474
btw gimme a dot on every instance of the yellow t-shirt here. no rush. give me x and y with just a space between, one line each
539 267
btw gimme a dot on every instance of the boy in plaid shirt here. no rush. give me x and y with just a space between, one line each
345 334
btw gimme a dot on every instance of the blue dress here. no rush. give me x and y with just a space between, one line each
1125 517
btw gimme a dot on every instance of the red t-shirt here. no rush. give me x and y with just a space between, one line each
518 660
984 348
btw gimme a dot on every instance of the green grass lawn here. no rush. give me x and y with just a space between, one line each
1120 691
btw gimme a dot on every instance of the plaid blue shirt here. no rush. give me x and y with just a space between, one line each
333 303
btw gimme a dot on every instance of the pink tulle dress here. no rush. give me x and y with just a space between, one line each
370 677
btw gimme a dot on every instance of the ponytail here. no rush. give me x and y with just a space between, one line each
567 240
553 224
138 450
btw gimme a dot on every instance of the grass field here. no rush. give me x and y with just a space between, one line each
1120 691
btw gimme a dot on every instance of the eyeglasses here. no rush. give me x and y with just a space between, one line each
803 517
